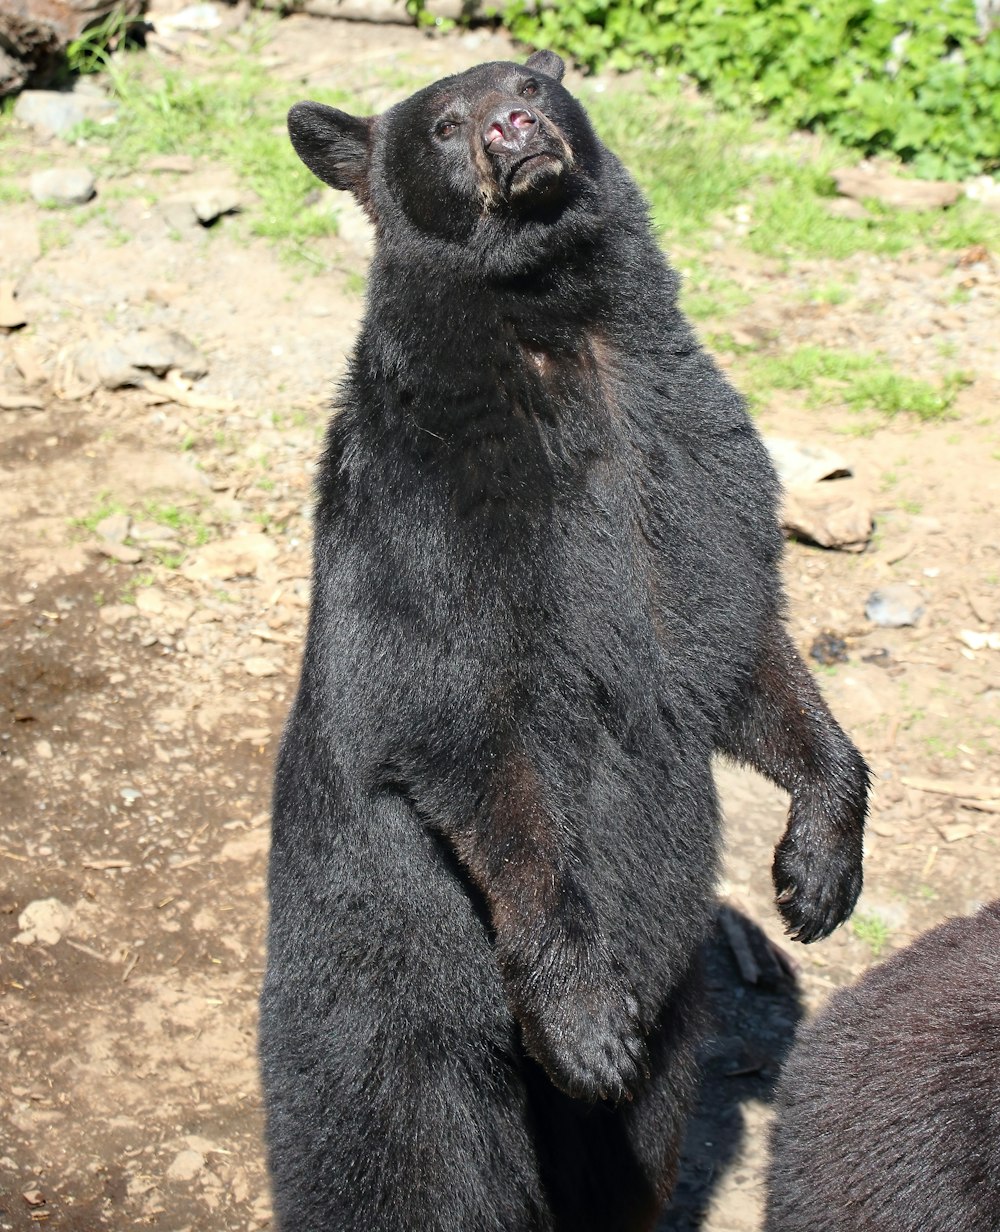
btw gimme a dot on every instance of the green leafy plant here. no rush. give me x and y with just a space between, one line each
91 52
873 930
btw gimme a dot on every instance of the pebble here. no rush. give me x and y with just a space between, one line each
63 186
114 614
894 606
44 920
114 528
120 552
129 359
200 206
194 17
257 665
49 112
240 556
185 1166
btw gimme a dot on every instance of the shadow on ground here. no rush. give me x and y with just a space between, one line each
750 1031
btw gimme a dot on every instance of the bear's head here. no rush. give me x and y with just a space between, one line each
474 160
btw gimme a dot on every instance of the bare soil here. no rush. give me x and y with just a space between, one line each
140 704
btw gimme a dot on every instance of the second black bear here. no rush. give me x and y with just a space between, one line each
887 1117
545 593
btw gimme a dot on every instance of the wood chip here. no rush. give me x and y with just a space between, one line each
953 787
981 806
267 635
20 402
102 866
955 833
171 391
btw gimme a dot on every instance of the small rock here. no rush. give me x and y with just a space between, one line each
878 658
43 750
121 552
11 316
240 556
116 362
34 1197
151 600
200 206
194 17
44 920
115 613
29 360
257 665
979 641
130 794
828 649
894 606
863 182
52 113
153 532
834 515
185 1166
114 528
799 464
160 350
49 112
62 186
177 164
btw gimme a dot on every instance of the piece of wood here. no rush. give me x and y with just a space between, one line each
34 35
953 787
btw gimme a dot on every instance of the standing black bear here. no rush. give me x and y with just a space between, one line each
888 1113
545 591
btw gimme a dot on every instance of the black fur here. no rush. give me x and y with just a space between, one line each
545 592
888 1112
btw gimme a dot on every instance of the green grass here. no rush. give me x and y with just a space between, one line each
860 382
694 163
232 113
188 525
873 930
686 158
707 296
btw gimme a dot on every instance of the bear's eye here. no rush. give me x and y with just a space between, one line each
529 88
446 128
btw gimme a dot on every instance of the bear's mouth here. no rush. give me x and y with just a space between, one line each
537 176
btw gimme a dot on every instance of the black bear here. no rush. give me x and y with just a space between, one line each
545 592
888 1111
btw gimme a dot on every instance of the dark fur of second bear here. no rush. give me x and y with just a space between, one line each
545 592
887 1118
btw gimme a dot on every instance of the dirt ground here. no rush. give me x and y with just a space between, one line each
140 703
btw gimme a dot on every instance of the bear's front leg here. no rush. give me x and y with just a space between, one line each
784 729
579 1018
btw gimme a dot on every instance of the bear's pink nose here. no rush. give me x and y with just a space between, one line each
509 130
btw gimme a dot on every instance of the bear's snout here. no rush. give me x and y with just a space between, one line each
509 129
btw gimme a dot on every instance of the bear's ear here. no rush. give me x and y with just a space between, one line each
547 62
334 146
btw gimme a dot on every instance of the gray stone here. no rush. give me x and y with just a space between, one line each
53 113
63 186
118 362
160 350
200 206
114 528
894 606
